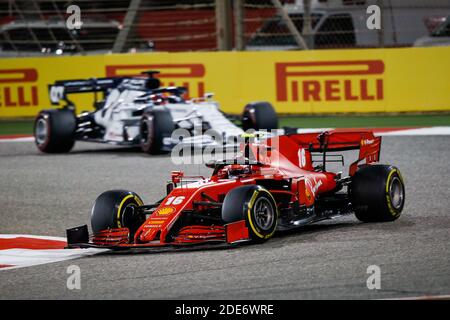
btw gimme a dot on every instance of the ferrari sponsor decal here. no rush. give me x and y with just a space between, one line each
313 185
308 195
155 222
317 186
165 211
366 142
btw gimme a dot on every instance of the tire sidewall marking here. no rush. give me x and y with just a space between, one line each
119 211
249 214
148 140
47 119
391 209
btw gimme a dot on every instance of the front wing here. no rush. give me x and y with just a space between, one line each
187 237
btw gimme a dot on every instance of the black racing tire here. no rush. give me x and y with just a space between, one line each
117 209
242 203
377 193
259 116
54 130
155 126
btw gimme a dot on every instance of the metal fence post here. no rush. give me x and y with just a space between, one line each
307 27
128 21
290 25
223 25
239 24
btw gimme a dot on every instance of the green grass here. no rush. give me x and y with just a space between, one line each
10 127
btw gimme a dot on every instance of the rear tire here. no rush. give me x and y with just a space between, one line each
256 206
54 130
156 125
259 116
117 209
377 193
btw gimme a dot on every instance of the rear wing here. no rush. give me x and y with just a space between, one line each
60 89
330 141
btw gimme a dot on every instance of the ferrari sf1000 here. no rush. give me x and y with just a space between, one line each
136 111
277 183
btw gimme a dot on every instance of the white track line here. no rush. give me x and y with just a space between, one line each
431 131
428 131
427 297
22 139
12 236
21 258
18 257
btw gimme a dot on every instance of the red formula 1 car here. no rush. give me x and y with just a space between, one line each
276 184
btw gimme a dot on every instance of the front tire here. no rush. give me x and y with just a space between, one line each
117 209
259 116
256 206
156 125
54 130
377 193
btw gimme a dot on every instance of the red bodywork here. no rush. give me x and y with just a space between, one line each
285 157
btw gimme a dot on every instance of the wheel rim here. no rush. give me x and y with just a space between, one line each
248 120
146 132
396 193
130 218
264 214
41 131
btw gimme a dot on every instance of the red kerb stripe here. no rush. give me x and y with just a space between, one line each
14 136
31 243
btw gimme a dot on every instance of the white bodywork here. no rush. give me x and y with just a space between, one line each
118 108
117 116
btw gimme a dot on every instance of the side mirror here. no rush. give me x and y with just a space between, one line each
208 95
169 187
176 176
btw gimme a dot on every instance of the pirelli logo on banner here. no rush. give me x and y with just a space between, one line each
18 88
190 76
327 81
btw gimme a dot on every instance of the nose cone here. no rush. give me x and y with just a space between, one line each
150 232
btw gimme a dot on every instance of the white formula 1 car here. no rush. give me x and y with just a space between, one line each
136 111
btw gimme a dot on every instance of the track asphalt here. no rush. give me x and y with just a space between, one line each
45 194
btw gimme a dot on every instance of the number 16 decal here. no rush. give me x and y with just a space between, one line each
175 200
